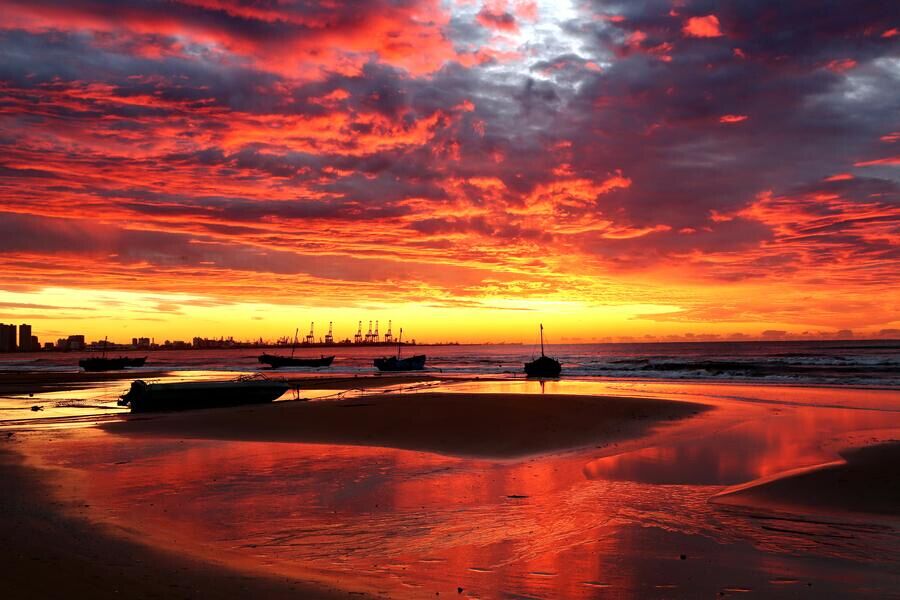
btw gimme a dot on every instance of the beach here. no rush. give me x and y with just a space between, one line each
407 487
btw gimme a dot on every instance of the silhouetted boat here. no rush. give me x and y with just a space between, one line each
102 363
392 363
287 361
395 363
543 366
144 397
275 361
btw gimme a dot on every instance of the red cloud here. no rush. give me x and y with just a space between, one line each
732 118
887 161
702 27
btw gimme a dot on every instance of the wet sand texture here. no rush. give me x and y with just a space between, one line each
474 425
867 481
48 551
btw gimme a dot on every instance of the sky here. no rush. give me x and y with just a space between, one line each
649 169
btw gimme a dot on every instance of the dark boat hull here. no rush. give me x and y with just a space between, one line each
97 363
144 397
543 367
275 361
392 363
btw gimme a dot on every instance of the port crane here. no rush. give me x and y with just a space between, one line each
358 338
310 338
375 337
369 334
329 337
388 336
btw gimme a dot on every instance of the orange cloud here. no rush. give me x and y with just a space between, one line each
702 27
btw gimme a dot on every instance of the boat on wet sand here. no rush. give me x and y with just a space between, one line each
146 397
543 366
395 363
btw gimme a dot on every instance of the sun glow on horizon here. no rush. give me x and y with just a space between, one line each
468 168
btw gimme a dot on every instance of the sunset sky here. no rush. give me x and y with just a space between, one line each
465 168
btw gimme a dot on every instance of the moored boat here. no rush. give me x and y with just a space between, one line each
146 397
102 363
395 363
544 366
276 361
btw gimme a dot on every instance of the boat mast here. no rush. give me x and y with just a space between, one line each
399 343
542 339
294 346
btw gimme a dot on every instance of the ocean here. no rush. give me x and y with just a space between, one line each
867 363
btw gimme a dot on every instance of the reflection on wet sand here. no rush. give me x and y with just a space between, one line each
628 520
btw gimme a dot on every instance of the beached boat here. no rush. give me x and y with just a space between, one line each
102 363
543 366
145 397
395 363
276 361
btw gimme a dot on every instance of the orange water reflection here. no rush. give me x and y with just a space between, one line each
575 525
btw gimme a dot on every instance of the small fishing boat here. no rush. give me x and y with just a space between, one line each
102 363
146 397
543 366
395 363
275 361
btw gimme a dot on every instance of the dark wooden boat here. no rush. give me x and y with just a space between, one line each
275 361
543 366
146 397
395 363
102 363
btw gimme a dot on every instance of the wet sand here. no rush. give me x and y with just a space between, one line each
35 383
474 425
866 480
50 549
485 491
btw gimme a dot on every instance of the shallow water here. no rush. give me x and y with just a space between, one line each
599 522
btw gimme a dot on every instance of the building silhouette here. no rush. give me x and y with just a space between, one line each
7 338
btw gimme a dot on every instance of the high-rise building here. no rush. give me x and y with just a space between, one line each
76 342
7 338
25 337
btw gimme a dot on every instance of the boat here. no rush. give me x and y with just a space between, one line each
543 366
276 361
147 397
102 363
395 363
